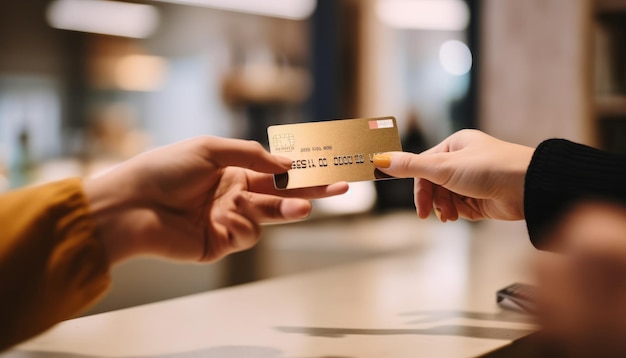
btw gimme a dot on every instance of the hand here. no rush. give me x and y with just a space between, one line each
469 175
199 200
581 293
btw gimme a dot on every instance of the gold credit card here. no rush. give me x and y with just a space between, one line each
332 151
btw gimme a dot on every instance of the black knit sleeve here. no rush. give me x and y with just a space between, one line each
562 173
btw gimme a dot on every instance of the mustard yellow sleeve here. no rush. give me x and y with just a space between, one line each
51 264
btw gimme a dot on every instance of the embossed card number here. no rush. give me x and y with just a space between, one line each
331 151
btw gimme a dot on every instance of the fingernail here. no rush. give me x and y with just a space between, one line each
382 160
439 215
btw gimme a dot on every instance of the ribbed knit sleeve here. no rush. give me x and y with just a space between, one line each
560 174
51 265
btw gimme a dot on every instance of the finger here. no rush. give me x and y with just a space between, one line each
234 233
243 233
423 197
263 183
317 192
409 165
264 208
226 152
443 203
439 204
450 209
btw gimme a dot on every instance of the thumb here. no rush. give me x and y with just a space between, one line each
409 165
242 153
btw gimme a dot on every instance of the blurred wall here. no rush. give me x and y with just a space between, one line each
535 76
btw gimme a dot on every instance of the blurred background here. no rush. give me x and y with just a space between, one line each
85 84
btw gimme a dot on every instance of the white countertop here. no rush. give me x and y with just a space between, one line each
434 299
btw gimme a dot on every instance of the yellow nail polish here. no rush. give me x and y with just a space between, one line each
382 160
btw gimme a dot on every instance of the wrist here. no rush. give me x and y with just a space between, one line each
107 209
522 160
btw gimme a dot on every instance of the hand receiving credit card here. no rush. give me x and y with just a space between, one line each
328 152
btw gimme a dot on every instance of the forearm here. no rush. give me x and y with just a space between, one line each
51 265
562 173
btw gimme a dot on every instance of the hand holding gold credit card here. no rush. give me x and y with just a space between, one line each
331 151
